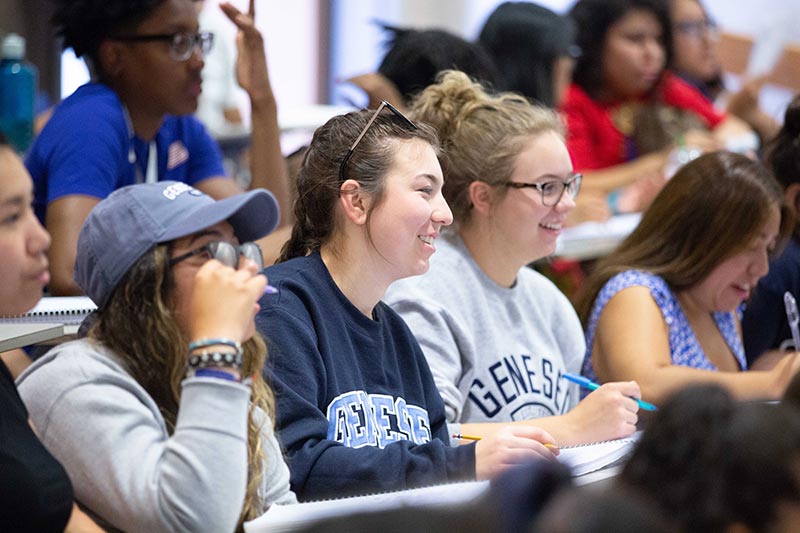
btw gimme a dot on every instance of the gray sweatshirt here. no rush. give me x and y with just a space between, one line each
126 469
496 353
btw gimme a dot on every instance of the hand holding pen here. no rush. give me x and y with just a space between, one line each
509 446
591 385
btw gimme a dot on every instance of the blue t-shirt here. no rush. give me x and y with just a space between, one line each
683 345
764 325
357 409
88 148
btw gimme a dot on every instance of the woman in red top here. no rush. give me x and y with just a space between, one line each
621 77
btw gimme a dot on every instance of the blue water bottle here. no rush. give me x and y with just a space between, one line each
17 93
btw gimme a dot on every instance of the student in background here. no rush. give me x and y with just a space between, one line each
358 410
415 57
765 327
533 49
714 464
620 78
132 123
496 334
695 58
35 492
154 414
664 307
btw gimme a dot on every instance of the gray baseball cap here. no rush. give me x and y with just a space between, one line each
131 220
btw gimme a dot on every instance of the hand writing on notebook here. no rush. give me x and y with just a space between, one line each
510 446
610 412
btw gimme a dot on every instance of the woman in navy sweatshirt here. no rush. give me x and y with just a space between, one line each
357 408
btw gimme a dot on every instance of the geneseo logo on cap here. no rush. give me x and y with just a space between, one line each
176 189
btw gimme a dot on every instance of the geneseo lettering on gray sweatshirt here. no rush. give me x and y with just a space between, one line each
495 352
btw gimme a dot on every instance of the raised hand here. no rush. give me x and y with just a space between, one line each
251 61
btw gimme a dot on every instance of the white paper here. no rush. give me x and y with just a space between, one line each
282 518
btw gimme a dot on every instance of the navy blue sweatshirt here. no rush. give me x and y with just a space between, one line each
357 409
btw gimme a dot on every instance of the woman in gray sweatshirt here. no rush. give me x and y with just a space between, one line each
153 413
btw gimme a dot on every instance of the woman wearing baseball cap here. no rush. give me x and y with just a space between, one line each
159 414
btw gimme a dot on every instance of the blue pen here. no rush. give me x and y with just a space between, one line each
591 385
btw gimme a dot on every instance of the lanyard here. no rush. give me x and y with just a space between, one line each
151 171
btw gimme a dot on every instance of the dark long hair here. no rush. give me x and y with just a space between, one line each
593 19
525 40
710 210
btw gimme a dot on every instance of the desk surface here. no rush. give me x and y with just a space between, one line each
591 240
23 334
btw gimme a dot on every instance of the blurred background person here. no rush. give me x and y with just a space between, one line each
765 325
617 131
695 58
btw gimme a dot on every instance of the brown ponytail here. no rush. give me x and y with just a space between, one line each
318 182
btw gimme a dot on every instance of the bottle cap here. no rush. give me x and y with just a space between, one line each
13 47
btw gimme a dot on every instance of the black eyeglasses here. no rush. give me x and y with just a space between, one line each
226 253
551 191
181 44
384 104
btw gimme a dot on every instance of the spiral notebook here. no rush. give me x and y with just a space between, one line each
585 458
67 310
283 518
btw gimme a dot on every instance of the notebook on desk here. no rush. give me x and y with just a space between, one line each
283 518
585 458
67 310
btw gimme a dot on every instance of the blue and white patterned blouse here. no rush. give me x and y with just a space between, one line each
683 345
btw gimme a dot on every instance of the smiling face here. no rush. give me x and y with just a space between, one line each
23 240
404 226
633 56
732 281
694 41
149 79
524 228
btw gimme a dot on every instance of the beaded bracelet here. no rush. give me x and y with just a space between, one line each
205 343
212 359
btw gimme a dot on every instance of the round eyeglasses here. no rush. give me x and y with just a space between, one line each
552 190
181 44
698 28
226 253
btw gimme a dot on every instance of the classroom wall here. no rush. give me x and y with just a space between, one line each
306 62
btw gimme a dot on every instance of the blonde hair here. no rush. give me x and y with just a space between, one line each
481 134
155 354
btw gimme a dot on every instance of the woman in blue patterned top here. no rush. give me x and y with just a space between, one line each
664 308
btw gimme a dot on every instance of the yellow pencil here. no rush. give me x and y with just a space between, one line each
472 437
465 437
